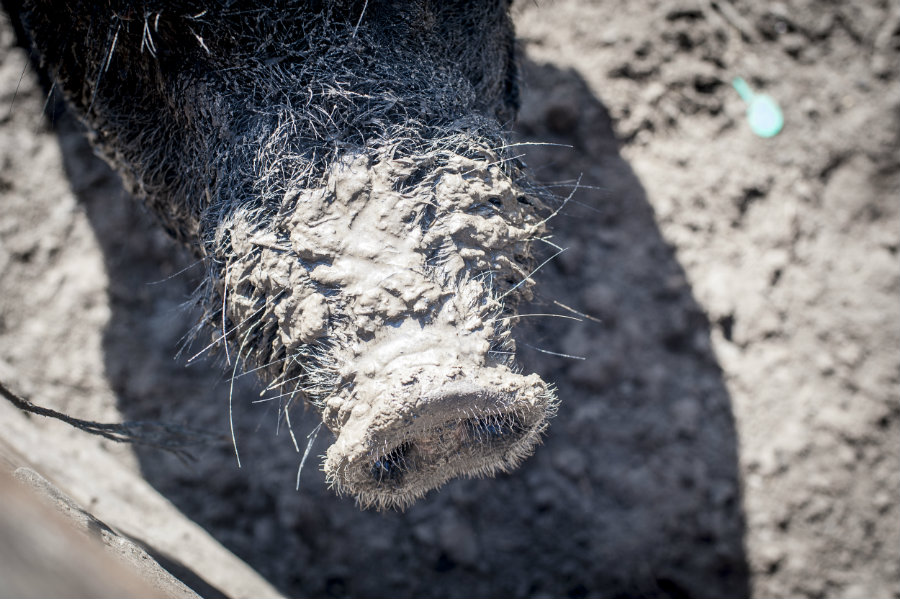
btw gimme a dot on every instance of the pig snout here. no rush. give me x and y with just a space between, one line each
408 287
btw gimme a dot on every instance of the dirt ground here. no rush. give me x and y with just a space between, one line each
730 421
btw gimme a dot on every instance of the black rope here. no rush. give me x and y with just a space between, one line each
160 435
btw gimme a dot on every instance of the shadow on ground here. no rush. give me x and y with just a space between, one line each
636 491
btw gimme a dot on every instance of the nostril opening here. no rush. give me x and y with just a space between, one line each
498 427
391 466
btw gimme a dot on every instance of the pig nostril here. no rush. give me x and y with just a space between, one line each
493 428
391 466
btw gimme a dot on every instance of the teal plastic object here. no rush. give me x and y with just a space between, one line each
763 113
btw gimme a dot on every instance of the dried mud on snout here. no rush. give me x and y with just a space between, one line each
389 304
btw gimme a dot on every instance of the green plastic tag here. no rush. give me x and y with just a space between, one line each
763 113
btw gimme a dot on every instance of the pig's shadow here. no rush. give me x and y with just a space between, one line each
636 491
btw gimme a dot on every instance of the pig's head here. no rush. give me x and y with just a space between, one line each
341 167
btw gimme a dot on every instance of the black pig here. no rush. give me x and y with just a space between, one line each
342 170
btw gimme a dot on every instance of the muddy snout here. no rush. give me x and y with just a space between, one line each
386 300
391 452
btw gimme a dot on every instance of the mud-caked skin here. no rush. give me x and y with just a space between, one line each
342 170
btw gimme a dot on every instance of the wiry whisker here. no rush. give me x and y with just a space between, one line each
514 316
177 274
531 143
287 419
560 207
263 366
237 361
107 60
553 353
231 330
528 277
574 311
16 91
312 439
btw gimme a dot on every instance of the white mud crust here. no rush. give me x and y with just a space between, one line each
385 298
